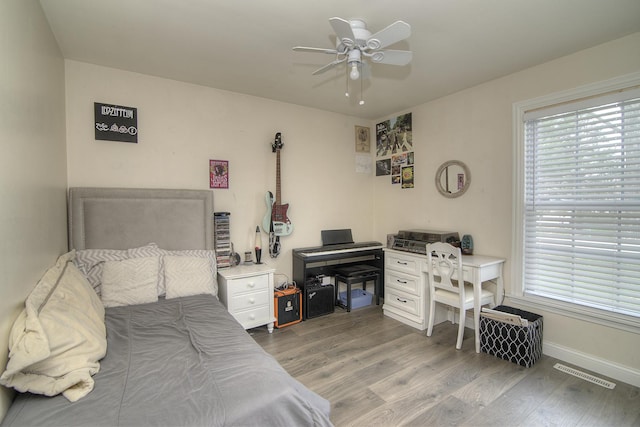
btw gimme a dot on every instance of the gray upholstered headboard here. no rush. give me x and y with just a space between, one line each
121 218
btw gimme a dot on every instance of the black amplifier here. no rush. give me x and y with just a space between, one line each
287 307
318 300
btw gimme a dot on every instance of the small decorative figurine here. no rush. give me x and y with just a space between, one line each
466 245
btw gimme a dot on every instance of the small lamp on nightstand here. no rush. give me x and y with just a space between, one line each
258 245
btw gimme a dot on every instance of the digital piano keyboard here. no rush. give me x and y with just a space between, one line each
309 263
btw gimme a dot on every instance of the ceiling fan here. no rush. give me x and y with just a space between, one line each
355 42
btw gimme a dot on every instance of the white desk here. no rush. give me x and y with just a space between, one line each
477 269
406 282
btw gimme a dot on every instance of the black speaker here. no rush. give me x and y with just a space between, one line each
318 300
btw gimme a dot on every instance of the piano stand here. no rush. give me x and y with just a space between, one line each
309 263
357 274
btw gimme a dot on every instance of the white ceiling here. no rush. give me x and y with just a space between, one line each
245 45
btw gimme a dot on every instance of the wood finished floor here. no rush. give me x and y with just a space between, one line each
376 371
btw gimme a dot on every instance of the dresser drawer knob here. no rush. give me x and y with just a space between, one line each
252 317
402 300
402 262
251 284
252 300
403 282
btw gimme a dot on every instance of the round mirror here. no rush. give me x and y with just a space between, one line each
453 178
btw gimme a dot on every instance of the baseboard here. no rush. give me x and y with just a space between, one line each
591 363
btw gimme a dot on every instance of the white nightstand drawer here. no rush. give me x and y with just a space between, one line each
253 317
405 302
248 284
247 300
403 282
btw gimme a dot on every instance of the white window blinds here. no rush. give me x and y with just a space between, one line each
582 203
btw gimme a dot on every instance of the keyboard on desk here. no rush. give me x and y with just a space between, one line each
338 249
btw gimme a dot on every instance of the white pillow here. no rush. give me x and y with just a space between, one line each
91 261
56 342
131 281
185 275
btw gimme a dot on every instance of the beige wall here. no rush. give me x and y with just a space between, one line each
182 126
475 126
32 164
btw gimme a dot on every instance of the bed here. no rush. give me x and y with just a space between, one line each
179 360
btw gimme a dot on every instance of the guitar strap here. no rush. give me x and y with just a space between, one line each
274 242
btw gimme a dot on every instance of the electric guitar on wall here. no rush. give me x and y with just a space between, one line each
276 219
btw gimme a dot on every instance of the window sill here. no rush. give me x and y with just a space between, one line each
599 317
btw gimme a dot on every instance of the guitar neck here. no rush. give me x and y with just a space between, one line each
278 201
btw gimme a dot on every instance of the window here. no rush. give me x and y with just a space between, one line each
578 195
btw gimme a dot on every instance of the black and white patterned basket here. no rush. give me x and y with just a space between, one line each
518 344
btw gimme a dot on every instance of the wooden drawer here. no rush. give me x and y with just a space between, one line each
248 300
409 304
402 282
402 263
248 284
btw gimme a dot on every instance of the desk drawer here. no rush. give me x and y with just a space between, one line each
409 304
247 300
403 282
405 264
467 274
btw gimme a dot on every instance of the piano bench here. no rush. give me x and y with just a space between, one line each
354 274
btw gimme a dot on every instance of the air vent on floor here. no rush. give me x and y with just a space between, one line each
584 376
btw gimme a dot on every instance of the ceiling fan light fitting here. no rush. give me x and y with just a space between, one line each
354 74
354 41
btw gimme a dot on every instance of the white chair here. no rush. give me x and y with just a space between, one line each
444 263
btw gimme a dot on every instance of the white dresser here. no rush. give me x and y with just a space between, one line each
405 288
247 292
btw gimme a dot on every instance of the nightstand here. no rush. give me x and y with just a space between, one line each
247 292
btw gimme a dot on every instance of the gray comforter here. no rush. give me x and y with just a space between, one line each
180 362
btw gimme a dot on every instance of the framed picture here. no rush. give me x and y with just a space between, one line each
115 123
363 141
218 174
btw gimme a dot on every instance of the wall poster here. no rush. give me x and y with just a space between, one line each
115 123
394 150
218 174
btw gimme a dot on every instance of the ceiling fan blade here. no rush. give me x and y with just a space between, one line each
392 57
315 49
395 32
344 31
328 66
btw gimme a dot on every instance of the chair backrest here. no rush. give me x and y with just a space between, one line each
445 262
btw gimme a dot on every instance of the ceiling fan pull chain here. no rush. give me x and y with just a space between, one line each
346 93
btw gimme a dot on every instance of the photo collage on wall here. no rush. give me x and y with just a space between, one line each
394 150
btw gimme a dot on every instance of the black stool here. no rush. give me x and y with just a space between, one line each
360 273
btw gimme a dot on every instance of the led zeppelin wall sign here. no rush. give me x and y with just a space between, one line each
116 123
